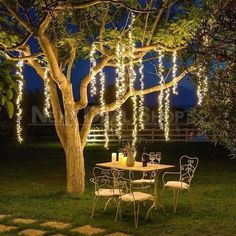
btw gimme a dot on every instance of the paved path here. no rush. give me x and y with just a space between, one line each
33 227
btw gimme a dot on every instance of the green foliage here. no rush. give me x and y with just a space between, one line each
216 43
8 86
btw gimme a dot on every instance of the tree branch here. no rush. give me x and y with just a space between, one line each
70 64
115 2
15 14
82 103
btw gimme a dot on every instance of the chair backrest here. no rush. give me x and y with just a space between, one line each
155 157
188 166
102 178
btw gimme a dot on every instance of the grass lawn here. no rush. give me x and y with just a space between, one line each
32 184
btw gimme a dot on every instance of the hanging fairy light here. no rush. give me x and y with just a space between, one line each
46 93
202 87
174 70
106 126
120 85
161 95
141 101
103 112
20 84
132 79
93 63
167 113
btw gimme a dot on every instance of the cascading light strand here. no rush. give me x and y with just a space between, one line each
132 79
20 83
103 112
161 95
141 101
202 87
93 63
167 114
106 126
120 86
174 70
46 94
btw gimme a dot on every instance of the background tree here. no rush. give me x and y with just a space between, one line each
8 85
215 47
64 30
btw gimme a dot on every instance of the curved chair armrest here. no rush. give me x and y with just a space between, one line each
168 173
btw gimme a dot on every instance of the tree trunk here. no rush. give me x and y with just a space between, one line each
75 168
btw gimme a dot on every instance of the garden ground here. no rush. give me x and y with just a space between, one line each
32 185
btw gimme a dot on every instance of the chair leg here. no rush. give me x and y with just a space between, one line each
150 210
176 200
135 218
107 203
118 210
94 206
137 215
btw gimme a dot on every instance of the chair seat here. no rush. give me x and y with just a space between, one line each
108 192
176 185
143 181
136 196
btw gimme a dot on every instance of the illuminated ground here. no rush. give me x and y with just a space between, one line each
32 182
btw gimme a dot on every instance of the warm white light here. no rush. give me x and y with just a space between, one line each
167 113
132 79
161 95
202 87
93 63
141 101
174 70
120 85
20 84
103 112
106 126
46 94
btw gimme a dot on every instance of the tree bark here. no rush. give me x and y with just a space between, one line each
75 167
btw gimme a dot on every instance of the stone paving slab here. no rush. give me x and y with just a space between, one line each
118 234
32 232
6 228
58 235
88 230
4 216
23 221
56 225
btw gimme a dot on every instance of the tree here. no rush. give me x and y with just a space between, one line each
215 45
8 86
64 31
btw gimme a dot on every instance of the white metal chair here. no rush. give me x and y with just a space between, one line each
105 187
148 178
188 167
132 196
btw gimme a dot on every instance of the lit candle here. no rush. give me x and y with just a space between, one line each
113 157
122 159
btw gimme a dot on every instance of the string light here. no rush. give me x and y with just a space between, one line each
46 93
161 95
20 84
106 126
167 113
202 88
174 70
141 101
163 99
132 79
93 63
103 107
120 85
